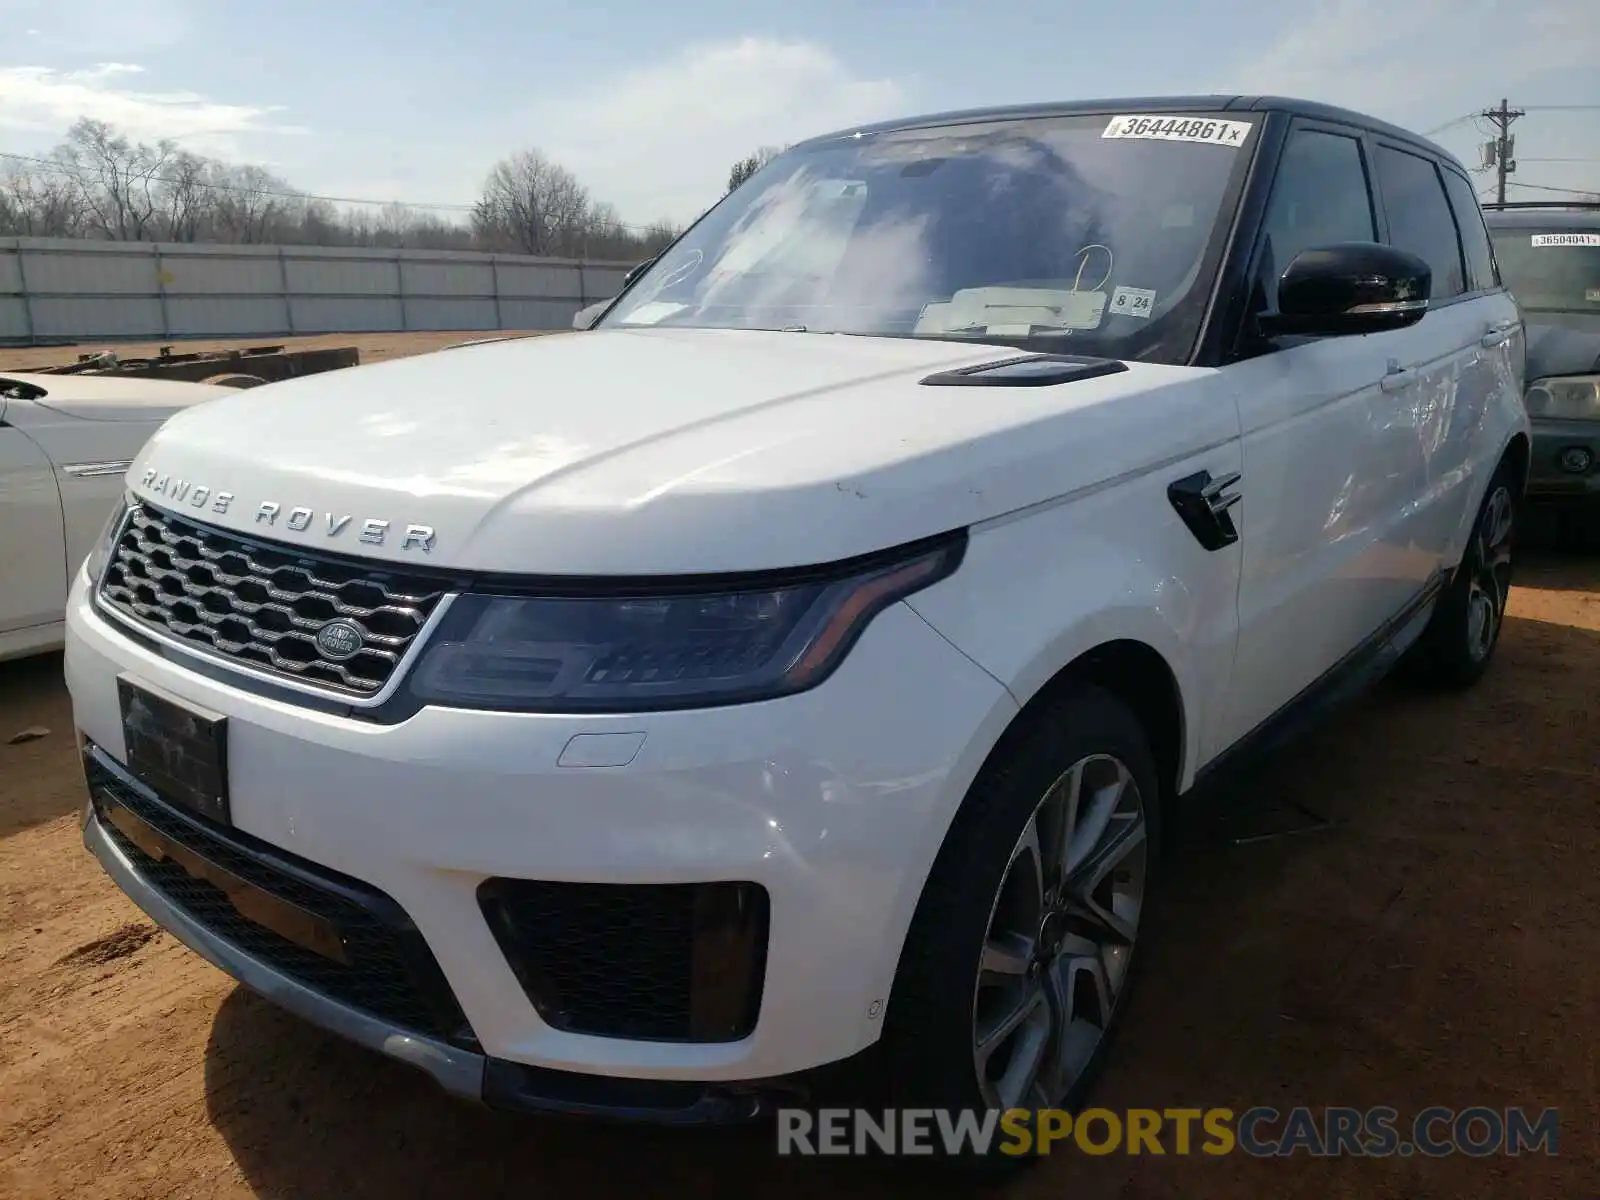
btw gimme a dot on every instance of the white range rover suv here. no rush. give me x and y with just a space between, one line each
794 670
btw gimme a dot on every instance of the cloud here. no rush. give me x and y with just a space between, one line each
1410 59
94 27
659 140
44 100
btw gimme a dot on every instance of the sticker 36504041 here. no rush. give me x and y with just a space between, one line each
1566 239
1154 127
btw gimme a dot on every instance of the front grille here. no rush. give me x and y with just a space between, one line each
262 604
653 962
390 973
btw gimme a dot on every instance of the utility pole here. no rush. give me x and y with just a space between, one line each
1498 152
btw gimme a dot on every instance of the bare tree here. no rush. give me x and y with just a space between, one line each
101 183
251 202
45 204
533 205
185 200
118 180
747 167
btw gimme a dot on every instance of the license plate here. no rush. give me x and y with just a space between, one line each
177 749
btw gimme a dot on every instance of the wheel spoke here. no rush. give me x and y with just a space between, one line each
1082 1000
1025 1029
1005 957
1122 837
1028 856
1096 818
1060 813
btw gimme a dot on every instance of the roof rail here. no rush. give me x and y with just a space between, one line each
1502 205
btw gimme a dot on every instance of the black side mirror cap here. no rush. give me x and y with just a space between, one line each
1349 288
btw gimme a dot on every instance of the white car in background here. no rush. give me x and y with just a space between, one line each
65 444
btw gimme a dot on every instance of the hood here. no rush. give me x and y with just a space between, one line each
1562 344
113 397
658 451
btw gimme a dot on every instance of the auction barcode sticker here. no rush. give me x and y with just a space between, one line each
1566 239
1152 127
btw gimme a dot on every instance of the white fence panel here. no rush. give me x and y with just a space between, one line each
63 290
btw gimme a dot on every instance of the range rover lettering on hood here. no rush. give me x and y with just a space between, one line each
371 531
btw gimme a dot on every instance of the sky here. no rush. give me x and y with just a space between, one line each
650 104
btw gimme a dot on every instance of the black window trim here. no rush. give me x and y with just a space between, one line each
1226 338
1494 262
1438 165
1223 323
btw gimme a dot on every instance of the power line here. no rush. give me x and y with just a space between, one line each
1536 187
1450 124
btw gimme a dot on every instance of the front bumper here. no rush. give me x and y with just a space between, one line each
834 802
1559 447
467 1074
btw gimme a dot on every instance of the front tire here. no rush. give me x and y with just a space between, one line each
1460 640
1022 953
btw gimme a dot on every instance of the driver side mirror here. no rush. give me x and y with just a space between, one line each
1350 288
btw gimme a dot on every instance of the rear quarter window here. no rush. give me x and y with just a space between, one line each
1420 219
1482 275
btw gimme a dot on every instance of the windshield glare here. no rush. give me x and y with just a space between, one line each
1554 270
1039 233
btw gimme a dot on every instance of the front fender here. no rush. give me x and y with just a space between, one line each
1040 589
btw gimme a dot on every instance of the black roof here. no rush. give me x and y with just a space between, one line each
1141 104
1552 214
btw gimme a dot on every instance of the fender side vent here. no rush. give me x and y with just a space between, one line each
1031 370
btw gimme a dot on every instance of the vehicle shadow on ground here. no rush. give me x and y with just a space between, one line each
1432 946
33 786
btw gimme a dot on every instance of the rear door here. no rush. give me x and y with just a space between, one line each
1449 364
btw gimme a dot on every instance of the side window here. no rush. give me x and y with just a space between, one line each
1320 197
1481 273
1419 217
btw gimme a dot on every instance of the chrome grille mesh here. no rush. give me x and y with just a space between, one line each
262 605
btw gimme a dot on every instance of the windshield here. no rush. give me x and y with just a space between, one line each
1554 270
1086 234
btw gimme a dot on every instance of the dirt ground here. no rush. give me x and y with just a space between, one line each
1437 945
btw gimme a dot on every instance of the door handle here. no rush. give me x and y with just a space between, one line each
1398 381
1497 334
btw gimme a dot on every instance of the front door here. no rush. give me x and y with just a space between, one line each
1331 455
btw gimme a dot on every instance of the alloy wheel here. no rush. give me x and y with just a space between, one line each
1489 588
1061 936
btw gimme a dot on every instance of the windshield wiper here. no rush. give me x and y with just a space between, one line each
1034 330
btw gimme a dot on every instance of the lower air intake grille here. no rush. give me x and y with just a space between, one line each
389 973
651 962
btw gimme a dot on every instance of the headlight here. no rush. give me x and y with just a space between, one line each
669 648
1573 398
95 564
